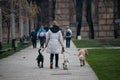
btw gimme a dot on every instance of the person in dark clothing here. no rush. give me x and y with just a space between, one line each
33 36
54 43
68 35
46 28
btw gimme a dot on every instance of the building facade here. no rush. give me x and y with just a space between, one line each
105 17
104 14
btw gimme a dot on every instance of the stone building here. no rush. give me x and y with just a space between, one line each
104 15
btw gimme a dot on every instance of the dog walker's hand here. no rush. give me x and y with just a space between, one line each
63 50
45 46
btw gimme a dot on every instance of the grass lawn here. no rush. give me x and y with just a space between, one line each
104 62
97 43
8 53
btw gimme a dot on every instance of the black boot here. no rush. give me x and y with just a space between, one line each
56 60
51 65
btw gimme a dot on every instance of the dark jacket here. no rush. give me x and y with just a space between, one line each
33 35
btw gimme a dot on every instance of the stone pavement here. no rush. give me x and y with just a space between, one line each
23 66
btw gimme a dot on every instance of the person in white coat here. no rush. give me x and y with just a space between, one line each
54 43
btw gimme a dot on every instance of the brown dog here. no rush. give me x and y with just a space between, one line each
82 54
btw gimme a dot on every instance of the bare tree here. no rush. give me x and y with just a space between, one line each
12 24
53 9
33 11
6 17
0 28
117 18
20 24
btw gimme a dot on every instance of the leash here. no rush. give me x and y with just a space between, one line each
64 56
65 63
69 53
42 50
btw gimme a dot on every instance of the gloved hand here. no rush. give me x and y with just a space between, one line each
63 50
45 46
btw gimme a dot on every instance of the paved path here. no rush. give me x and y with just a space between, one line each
23 66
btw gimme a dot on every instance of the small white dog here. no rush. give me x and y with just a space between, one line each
82 54
65 64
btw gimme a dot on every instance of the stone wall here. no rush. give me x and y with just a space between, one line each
62 13
105 20
65 15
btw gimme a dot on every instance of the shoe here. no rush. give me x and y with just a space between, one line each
57 67
51 66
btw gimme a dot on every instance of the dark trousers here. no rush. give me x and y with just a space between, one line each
68 42
42 41
34 43
56 59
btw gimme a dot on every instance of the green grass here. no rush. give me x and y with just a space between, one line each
104 62
96 43
87 43
9 53
7 45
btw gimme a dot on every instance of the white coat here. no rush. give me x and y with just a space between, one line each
54 42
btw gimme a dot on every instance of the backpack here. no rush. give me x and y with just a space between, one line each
68 34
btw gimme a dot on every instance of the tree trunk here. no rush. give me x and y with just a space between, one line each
54 8
27 23
12 25
117 16
31 24
0 28
20 24
89 18
8 34
79 9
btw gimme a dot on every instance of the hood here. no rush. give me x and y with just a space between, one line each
55 29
